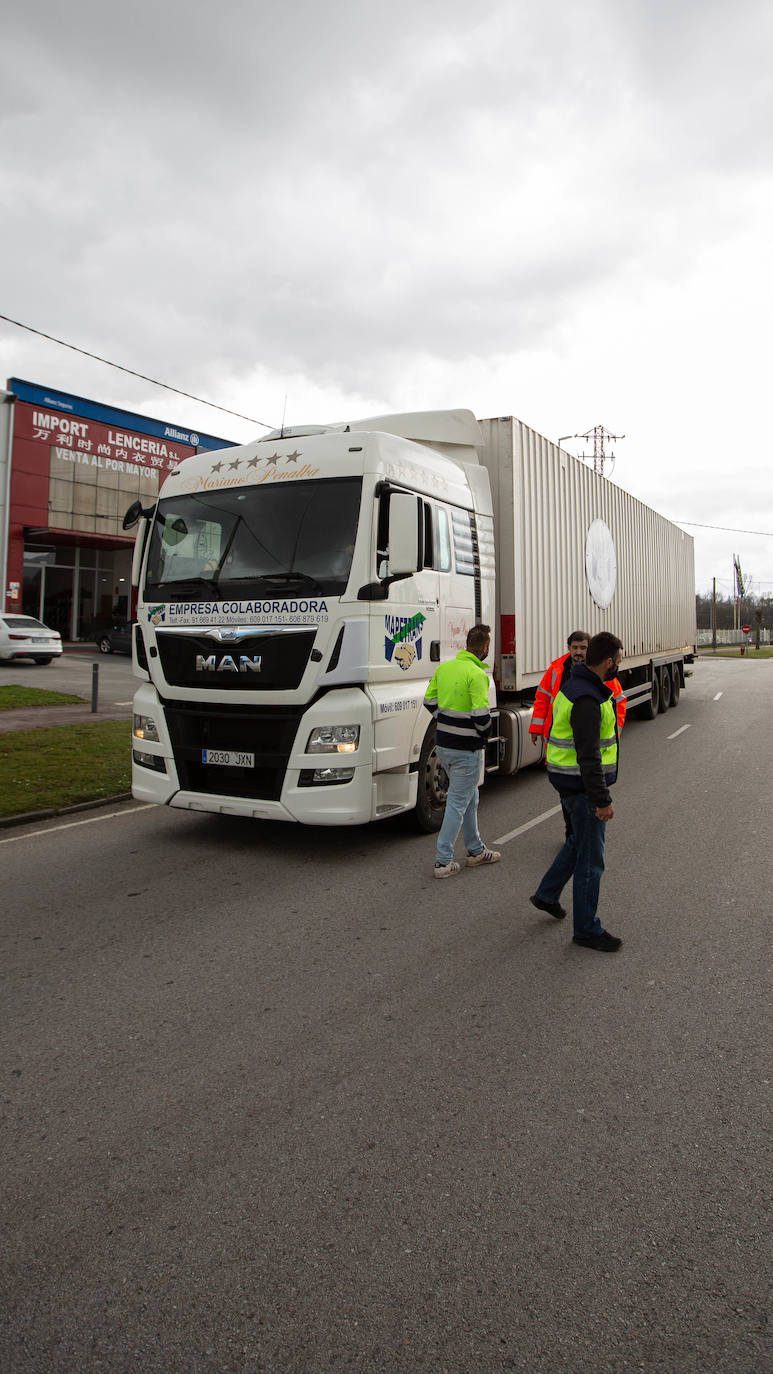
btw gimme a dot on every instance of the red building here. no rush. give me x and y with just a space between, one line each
69 469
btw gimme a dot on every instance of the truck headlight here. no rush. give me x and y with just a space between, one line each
145 728
333 739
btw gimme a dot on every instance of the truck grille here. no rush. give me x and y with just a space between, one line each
269 734
259 662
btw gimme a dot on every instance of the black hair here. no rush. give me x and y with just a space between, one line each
601 647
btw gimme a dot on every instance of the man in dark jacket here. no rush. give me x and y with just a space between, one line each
582 753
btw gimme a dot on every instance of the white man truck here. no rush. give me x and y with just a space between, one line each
294 595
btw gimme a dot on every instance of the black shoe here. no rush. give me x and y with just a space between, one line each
552 908
606 942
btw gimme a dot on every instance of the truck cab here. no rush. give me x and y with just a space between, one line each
293 598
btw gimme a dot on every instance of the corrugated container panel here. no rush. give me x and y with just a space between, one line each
545 502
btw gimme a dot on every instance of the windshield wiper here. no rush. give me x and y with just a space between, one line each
178 588
288 577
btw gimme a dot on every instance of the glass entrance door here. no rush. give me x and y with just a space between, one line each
57 600
31 589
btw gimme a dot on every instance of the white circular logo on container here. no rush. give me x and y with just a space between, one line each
601 563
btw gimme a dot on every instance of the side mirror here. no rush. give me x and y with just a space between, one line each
403 534
136 511
133 514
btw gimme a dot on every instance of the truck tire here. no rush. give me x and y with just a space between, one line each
649 709
676 684
433 787
665 687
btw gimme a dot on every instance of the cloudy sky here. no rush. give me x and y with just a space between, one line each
558 211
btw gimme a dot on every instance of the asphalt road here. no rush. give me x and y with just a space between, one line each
275 1100
73 673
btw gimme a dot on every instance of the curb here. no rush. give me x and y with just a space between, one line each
28 817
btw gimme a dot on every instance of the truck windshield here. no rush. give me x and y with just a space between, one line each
254 540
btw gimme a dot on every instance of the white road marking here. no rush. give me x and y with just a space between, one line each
719 694
680 731
122 703
68 825
511 834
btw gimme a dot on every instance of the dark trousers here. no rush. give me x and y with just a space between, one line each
582 860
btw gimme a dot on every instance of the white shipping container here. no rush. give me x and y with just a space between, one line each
575 551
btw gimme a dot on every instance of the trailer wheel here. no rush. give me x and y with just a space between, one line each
676 684
433 787
649 709
665 688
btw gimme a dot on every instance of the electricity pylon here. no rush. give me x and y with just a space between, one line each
600 436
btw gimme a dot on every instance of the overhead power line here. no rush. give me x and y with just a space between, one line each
728 529
164 385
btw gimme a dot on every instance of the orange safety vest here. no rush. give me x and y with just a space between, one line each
542 713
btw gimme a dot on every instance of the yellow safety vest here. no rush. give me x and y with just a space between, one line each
561 754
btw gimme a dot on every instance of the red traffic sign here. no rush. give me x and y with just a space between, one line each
747 629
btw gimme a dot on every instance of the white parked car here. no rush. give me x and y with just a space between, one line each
22 636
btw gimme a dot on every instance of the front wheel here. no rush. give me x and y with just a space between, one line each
104 645
433 787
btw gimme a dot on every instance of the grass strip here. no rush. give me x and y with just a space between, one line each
13 698
61 765
733 651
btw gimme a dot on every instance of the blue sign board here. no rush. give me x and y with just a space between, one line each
109 415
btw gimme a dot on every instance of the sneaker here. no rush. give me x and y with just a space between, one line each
486 856
552 908
605 942
447 870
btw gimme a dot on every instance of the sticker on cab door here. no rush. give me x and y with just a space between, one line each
403 639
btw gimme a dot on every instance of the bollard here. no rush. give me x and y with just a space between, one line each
94 685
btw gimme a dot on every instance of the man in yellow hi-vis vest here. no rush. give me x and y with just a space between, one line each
457 697
582 754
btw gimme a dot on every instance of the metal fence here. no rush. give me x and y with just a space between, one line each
733 637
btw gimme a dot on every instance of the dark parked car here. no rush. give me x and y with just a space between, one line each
114 639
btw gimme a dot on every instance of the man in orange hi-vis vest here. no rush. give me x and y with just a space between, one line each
552 681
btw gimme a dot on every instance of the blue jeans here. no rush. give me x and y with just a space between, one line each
582 859
463 769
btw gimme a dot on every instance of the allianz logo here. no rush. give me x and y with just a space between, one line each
226 663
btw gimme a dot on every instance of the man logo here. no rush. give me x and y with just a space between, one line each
227 664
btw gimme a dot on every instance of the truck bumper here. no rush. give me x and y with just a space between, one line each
363 798
348 803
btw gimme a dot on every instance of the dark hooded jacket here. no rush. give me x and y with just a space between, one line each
587 692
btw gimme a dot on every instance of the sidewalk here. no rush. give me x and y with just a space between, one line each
37 717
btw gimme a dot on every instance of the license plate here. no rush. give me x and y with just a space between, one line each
40 639
228 758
